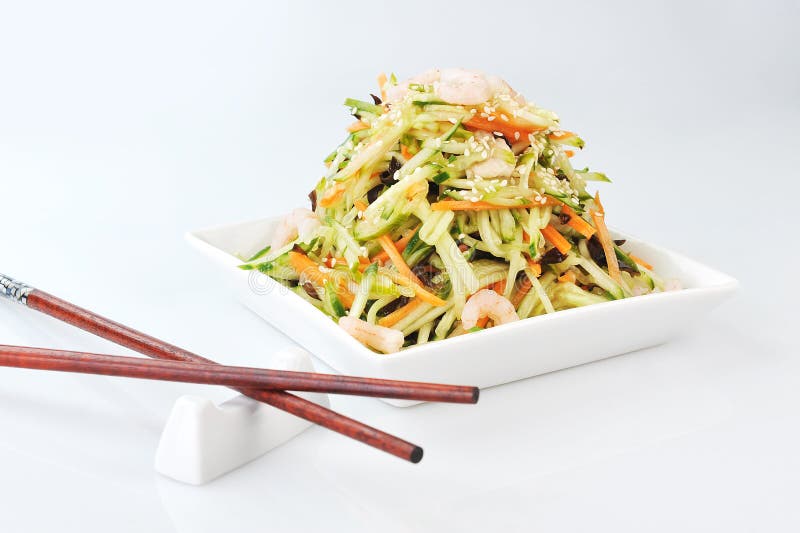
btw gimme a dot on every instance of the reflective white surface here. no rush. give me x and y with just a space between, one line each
121 127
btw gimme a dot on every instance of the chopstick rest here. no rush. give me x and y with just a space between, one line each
202 441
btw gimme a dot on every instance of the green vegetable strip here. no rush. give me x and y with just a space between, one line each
364 288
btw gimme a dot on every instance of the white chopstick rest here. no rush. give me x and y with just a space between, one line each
202 441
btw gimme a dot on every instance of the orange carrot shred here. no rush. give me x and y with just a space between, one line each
357 126
552 236
608 245
398 314
332 195
524 287
405 152
513 130
309 269
381 82
641 262
361 205
400 245
536 267
598 204
560 135
481 322
567 277
577 223
406 275
397 259
569 153
499 286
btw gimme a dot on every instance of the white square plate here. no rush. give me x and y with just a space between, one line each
491 357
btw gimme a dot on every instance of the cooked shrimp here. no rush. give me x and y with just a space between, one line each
386 340
300 223
502 89
453 85
500 161
487 303
464 87
395 93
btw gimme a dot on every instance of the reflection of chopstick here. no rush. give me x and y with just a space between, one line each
150 346
230 376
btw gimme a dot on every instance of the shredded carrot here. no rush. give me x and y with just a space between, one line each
524 287
481 322
405 152
641 262
381 82
398 314
569 153
466 205
397 259
499 286
598 204
405 275
400 245
332 195
567 277
420 186
608 245
357 126
513 130
560 135
536 267
331 262
361 205
552 236
310 270
421 292
577 223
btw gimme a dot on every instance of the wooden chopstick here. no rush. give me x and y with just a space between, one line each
230 376
158 349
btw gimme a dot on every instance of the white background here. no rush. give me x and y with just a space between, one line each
123 125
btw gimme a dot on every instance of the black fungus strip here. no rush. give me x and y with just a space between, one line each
599 255
426 273
313 197
596 251
551 257
373 193
310 290
376 99
387 176
394 305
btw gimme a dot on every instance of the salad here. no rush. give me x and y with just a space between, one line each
452 206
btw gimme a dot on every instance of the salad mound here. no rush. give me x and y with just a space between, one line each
452 206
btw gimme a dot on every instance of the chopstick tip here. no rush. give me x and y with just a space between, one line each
416 455
476 393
